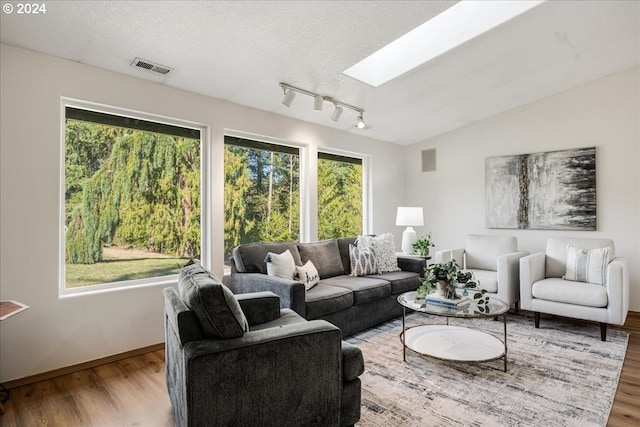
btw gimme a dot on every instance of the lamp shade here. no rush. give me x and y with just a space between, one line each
409 217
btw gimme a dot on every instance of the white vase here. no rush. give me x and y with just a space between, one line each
441 287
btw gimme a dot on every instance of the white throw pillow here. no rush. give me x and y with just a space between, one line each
588 266
308 275
281 265
384 249
363 261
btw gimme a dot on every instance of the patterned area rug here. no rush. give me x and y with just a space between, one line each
558 375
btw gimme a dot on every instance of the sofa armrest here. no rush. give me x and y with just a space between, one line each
532 269
509 276
293 369
618 290
447 255
259 307
290 292
414 264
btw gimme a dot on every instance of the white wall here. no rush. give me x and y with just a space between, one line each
56 332
604 113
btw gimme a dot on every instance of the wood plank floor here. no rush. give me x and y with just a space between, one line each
132 392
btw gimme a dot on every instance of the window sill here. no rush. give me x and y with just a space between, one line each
163 281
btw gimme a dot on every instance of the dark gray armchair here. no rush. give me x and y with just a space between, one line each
241 360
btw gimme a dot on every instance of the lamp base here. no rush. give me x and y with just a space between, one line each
409 237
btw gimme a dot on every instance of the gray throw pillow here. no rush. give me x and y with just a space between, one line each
215 307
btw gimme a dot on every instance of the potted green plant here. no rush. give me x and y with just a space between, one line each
421 246
446 278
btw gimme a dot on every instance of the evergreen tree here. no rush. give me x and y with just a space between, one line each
339 199
145 193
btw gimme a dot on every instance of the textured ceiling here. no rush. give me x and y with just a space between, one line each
240 50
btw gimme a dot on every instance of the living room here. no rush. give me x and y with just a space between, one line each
56 332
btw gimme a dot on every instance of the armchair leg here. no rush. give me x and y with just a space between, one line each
603 331
536 319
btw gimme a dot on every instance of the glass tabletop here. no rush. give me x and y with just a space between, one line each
495 307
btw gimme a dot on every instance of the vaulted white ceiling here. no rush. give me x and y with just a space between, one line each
240 50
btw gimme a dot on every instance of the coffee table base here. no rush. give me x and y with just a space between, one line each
454 343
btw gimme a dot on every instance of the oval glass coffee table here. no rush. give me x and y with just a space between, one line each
454 343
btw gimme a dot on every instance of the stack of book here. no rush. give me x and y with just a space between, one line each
438 299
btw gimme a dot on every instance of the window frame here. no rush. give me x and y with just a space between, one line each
367 199
205 196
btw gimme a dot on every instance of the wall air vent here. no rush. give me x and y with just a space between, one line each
429 160
148 65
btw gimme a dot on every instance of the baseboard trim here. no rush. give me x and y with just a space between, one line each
81 366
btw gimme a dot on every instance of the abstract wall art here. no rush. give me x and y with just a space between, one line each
555 190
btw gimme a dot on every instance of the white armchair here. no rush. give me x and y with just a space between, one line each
544 290
493 260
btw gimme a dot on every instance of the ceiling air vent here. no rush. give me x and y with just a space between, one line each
148 65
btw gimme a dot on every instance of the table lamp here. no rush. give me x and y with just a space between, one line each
409 217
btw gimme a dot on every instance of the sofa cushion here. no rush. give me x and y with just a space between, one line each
324 299
481 252
307 275
250 258
287 317
363 261
487 280
364 289
587 265
343 247
570 292
281 265
325 255
400 281
215 307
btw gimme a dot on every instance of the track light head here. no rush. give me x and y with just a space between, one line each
318 103
337 111
318 100
289 94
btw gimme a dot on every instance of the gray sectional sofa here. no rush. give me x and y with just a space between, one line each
351 303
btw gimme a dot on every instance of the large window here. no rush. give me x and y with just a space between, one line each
340 195
131 199
261 192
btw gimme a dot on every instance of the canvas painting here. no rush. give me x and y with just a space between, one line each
554 190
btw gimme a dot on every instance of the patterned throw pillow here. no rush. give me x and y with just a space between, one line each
281 265
384 249
363 261
308 275
588 266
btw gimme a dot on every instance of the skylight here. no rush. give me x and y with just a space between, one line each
460 23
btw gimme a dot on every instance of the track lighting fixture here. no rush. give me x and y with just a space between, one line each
288 97
318 101
337 111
